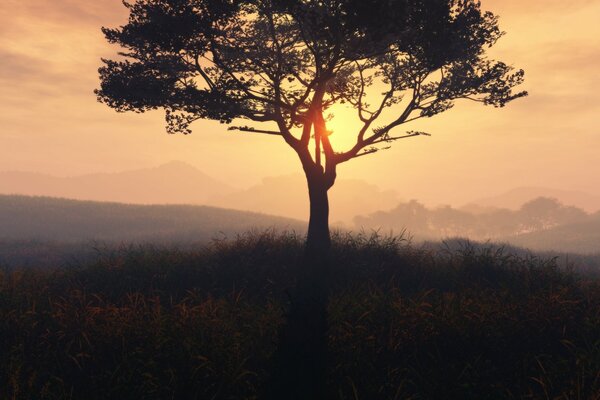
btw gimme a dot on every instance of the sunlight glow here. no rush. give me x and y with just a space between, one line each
344 125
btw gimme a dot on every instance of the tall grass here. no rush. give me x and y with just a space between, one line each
145 322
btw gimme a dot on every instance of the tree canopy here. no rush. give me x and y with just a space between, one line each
287 62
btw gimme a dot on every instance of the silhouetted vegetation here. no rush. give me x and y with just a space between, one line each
464 322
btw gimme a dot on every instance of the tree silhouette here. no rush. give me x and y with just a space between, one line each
285 63
544 213
280 65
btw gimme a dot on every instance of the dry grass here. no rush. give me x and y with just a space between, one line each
405 323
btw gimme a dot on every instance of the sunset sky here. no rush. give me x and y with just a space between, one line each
50 121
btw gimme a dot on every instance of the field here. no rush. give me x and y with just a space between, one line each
147 322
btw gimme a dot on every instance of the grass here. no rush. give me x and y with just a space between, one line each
144 322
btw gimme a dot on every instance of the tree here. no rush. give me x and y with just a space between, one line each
286 63
545 213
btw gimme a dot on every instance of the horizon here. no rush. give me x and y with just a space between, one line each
537 191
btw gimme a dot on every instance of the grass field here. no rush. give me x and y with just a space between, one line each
144 322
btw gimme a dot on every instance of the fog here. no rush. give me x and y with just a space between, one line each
536 218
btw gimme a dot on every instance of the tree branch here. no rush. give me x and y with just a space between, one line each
410 134
206 78
253 130
359 105
379 133
373 150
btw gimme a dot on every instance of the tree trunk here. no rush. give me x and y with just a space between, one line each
318 240
300 362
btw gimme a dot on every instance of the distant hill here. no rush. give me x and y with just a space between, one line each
288 196
53 219
541 224
583 237
515 198
172 183
181 183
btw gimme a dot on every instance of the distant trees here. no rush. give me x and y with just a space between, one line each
543 213
534 216
286 63
447 221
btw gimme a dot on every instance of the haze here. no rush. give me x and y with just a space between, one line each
51 123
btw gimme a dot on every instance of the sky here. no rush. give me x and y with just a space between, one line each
50 121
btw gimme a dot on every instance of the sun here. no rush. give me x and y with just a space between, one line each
344 124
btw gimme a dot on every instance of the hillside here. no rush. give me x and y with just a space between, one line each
181 183
54 219
172 183
583 237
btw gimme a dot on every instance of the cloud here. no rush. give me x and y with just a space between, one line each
52 49
577 60
535 6
28 82
16 67
72 12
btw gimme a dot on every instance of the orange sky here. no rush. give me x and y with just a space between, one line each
50 121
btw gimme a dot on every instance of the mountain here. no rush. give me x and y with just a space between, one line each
63 220
515 198
172 183
181 183
288 196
